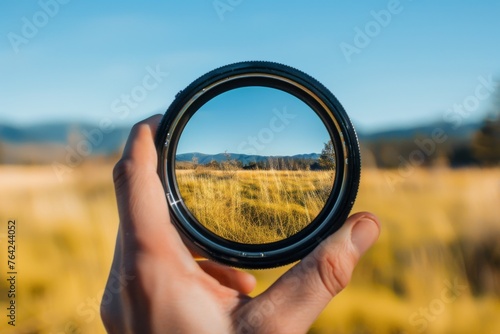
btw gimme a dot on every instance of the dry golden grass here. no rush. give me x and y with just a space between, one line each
438 225
255 206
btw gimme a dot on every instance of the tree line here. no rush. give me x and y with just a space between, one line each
482 148
326 161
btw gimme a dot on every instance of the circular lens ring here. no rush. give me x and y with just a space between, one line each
335 119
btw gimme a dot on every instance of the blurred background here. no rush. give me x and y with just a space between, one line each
419 80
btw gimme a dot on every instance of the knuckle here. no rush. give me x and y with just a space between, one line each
131 264
335 270
122 171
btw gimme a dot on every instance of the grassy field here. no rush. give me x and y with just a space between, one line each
255 206
435 269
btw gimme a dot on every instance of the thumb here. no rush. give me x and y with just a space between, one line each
293 302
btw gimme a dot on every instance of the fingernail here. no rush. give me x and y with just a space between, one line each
364 233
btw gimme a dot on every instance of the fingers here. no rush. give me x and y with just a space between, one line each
232 278
142 206
304 291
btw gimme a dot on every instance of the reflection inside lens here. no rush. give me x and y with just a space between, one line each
255 165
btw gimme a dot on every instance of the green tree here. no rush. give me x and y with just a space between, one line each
327 156
486 141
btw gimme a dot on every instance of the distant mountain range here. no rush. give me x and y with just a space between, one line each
463 131
63 133
57 142
243 158
46 143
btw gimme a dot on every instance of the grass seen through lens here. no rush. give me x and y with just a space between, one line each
255 207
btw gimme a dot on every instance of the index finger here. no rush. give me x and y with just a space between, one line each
142 205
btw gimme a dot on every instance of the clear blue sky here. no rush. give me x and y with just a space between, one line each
254 120
80 61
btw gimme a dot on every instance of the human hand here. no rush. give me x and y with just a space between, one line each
163 289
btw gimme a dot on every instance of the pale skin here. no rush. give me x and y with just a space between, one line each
166 289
